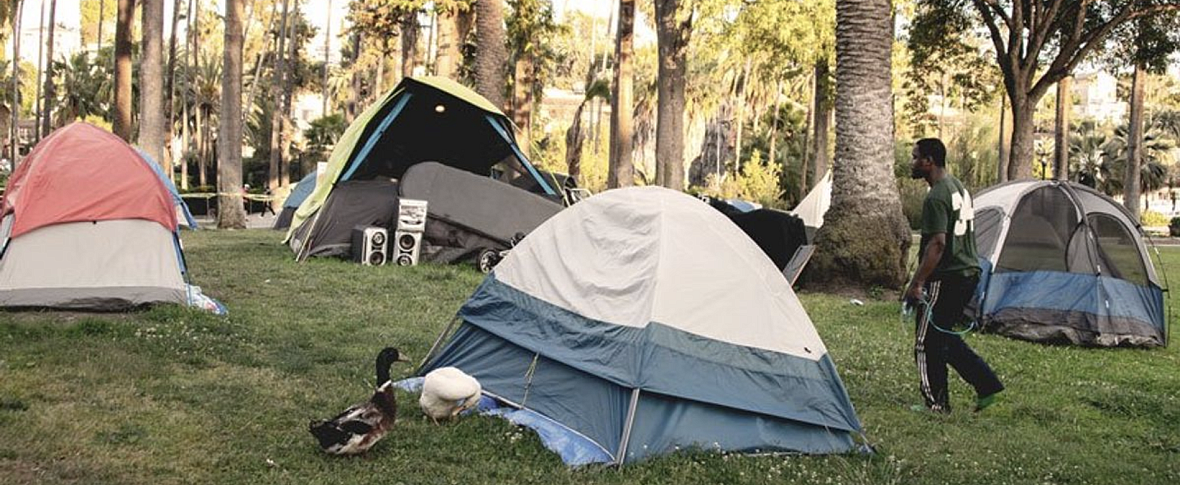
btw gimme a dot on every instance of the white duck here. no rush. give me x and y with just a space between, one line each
448 391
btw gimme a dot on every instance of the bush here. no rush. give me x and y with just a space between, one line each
1153 219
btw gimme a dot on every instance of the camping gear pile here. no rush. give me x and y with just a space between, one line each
423 120
88 224
1063 263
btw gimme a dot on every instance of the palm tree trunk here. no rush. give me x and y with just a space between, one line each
170 80
37 111
409 38
102 13
741 117
573 143
326 93
288 79
230 213
450 43
621 171
13 132
123 120
773 154
50 86
1061 129
276 90
152 127
865 240
522 88
672 36
1135 142
823 119
259 61
492 56
202 168
1002 149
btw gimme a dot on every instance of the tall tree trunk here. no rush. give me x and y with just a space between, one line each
38 112
1135 142
152 128
1061 129
276 89
170 85
741 117
865 239
50 86
202 167
773 153
102 16
672 35
450 44
248 104
621 170
230 213
823 122
123 121
522 101
1002 150
573 144
352 108
491 56
805 161
14 103
1022 153
288 91
409 37
326 93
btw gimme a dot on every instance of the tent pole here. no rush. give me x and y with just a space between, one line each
627 428
437 342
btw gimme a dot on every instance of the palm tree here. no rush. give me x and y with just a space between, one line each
82 84
673 28
865 239
13 19
1135 146
123 121
621 171
230 213
152 125
492 54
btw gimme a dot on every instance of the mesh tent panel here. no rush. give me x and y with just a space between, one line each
1040 231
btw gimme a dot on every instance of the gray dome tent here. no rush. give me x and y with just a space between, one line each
1064 263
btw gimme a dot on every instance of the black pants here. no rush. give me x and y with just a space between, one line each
934 349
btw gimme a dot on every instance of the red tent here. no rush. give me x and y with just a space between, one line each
84 173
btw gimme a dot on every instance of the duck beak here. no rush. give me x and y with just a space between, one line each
403 358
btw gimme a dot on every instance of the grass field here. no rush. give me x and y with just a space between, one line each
171 395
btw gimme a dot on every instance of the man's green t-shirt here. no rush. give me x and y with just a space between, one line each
948 210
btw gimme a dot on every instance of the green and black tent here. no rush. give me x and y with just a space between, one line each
425 119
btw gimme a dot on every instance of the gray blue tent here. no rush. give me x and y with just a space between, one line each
644 321
1064 263
183 215
302 189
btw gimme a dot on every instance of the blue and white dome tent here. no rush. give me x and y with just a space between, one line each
644 321
1064 263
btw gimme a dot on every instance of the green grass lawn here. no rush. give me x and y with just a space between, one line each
171 395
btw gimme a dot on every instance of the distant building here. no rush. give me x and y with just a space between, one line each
1096 94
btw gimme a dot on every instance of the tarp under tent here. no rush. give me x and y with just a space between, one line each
1064 263
468 214
183 215
298 194
87 224
421 120
643 321
815 204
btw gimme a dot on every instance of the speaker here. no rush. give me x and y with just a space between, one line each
407 237
369 245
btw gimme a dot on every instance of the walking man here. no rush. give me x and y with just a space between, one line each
948 272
